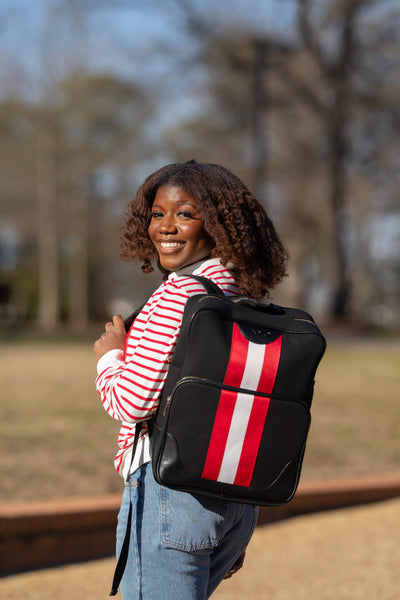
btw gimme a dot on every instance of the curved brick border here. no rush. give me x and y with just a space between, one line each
49 533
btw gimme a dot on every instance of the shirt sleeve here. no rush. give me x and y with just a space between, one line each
112 358
130 388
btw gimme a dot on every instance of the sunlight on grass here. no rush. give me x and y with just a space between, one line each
54 429
53 426
356 411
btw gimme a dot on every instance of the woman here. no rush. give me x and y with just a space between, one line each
189 218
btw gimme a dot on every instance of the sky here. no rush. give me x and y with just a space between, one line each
133 38
145 42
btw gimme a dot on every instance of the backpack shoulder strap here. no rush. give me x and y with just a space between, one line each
123 557
129 320
210 286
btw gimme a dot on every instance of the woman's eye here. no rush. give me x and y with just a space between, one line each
185 213
155 215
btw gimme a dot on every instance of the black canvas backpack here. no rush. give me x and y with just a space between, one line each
234 413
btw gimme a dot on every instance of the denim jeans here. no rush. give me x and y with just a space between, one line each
182 545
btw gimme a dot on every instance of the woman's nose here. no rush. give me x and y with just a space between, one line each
167 225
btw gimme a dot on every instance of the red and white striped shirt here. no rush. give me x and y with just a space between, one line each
130 382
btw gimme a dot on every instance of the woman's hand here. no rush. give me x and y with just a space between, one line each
238 565
112 339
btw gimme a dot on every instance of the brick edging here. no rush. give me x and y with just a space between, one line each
314 496
48 533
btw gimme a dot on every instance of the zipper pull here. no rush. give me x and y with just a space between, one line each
167 403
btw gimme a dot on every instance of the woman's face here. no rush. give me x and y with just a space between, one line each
176 229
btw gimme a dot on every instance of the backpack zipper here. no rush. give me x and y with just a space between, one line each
169 398
167 403
305 321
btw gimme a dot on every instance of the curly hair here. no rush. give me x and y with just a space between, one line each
240 230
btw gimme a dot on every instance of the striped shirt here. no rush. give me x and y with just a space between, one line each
130 382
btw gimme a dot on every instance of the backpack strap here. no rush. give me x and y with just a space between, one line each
123 557
210 286
129 320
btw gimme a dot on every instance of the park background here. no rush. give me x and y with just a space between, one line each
297 97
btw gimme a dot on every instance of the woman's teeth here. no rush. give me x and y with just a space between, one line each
170 244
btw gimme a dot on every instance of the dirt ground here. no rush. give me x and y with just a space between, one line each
350 554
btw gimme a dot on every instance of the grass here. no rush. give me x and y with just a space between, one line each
356 412
56 440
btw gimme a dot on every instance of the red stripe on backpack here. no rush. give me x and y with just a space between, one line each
240 417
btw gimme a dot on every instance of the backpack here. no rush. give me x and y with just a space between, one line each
234 413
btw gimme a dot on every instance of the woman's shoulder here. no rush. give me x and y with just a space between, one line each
212 269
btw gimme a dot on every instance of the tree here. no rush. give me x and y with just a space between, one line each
319 92
307 116
74 154
17 201
339 40
103 128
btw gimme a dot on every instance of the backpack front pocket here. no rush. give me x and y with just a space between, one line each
235 436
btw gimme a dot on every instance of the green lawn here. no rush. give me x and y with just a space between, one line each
56 440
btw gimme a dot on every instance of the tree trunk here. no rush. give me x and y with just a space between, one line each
78 269
259 141
340 75
46 191
338 186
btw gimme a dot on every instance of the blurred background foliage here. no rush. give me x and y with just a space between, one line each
297 97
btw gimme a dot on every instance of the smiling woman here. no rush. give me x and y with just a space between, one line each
189 218
176 229
240 232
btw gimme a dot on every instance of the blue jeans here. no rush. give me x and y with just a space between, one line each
182 545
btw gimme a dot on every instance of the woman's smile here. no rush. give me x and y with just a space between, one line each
176 229
168 245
